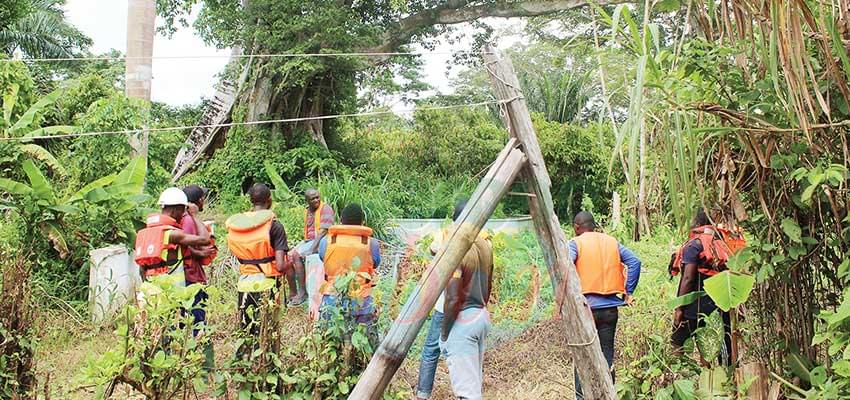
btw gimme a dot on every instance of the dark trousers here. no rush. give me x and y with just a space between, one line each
695 314
249 310
606 328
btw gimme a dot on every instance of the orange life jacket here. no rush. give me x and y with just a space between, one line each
348 249
153 253
598 264
718 244
248 240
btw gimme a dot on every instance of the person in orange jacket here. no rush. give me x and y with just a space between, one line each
605 283
258 240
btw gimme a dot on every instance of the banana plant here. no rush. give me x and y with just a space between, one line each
26 127
43 210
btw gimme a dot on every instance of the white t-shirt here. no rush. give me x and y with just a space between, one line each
438 306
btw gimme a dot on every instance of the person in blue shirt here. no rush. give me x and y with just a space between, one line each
599 261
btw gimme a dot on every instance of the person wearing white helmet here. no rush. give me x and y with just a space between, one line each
161 245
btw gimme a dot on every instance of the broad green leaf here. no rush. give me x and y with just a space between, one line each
54 232
39 183
133 174
24 122
806 197
818 375
728 289
97 195
10 99
684 389
842 368
99 183
41 154
65 208
343 387
684 299
10 186
668 5
51 130
792 230
324 377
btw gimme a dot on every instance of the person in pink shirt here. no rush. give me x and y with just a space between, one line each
193 266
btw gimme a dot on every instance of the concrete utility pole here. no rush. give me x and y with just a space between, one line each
141 24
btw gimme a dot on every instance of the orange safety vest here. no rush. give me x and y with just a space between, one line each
153 253
718 245
317 221
348 248
248 239
598 264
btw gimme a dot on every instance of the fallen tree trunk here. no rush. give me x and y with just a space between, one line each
401 335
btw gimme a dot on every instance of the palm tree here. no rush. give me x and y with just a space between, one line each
43 32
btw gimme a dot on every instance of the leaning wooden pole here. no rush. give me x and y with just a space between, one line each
402 333
587 355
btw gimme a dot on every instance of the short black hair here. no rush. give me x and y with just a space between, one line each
194 193
259 193
459 206
352 214
701 218
585 220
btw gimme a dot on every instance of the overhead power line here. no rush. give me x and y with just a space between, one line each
251 123
234 56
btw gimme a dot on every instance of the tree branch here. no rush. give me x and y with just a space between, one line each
458 11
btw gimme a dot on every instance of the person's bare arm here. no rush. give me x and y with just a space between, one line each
280 260
456 292
321 234
185 239
686 285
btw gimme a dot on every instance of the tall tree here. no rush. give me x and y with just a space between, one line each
298 87
41 30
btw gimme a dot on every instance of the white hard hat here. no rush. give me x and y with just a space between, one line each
173 197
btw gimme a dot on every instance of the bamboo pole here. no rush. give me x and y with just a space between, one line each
402 333
572 306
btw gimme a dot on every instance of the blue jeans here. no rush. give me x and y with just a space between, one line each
430 357
465 352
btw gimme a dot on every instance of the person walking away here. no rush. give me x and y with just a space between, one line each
605 283
704 255
258 240
349 247
161 246
431 348
317 219
466 320
194 262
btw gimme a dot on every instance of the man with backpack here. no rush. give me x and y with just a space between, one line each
605 283
704 255
258 240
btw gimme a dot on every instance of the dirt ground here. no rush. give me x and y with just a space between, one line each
534 365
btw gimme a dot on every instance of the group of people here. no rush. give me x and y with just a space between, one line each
609 273
177 244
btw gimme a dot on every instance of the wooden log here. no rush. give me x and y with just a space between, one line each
573 308
402 333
